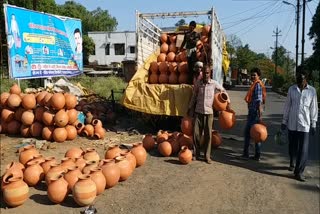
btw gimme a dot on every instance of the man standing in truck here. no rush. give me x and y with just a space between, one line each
190 41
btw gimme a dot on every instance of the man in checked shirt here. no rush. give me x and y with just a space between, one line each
200 107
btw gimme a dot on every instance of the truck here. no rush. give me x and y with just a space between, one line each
168 99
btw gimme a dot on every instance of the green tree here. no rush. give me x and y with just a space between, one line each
101 20
88 48
180 23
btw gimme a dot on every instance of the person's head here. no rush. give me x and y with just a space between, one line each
198 66
206 72
301 77
192 25
78 39
255 74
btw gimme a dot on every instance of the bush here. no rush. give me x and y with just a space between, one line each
6 83
277 81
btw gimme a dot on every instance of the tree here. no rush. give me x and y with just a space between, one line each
88 48
180 23
283 60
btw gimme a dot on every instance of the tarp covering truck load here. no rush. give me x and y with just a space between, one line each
164 98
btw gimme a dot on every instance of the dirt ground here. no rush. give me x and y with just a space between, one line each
229 185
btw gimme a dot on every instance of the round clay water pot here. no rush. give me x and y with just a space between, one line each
88 130
153 78
57 189
220 101
99 179
27 117
148 142
139 153
15 89
187 125
57 101
71 132
130 157
125 167
14 101
153 67
173 38
258 132
216 139
55 169
111 172
24 131
74 152
162 136
29 101
7 115
171 56
79 126
84 191
4 98
112 151
173 78
71 101
59 134
18 114
27 153
38 113
162 57
61 118
48 118
227 119
47 133
99 132
40 98
72 176
46 165
36 129
72 115
185 155
13 127
164 48
163 78
173 48
165 148
15 168
89 165
185 140
80 162
91 155
163 37
15 191
67 162
33 174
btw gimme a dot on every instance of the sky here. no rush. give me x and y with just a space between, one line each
253 21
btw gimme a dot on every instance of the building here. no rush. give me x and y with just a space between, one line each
113 47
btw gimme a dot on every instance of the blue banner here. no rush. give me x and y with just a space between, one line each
42 45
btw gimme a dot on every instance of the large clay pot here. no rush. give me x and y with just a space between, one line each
74 152
130 157
67 162
15 89
173 78
71 101
124 166
185 155
185 140
84 191
4 98
216 139
40 98
13 127
71 132
140 153
162 136
220 101
165 148
164 48
99 179
163 78
27 153
18 114
15 191
38 113
29 101
88 130
57 189
57 101
61 118
153 78
99 132
148 142
91 155
47 133
46 165
173 140
112 151
36 129
33 174
258 133
186 125
59 134
72 115
90 165
80 162
227 119
7 115
55 169
14 101
24 131
27 117
111 172
48 118
163 37
72 176
15 168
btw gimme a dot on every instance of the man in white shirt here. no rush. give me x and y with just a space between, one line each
300 117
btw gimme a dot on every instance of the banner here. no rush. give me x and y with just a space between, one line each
42 45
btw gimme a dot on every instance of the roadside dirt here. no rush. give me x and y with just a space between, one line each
163 185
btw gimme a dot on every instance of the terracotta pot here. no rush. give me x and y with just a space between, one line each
79 126
91 155
59 134
47 100
89 165
139 153
216 139
125 167
99 132
187 125
14 101
185 140
13 127
173 48
84 191
33 174
7 115
99 179
71 132
174 144
40 98
15 191
173 78
163 37
88 131
27 153
163 78
36 129
4 98
61 118
57 101
15 89
153 78
112 151
153 67
67 162
162 136
55 169
220 101
80 162
18 114
227 119
72 176
38 113
183 67
73 116
47 133
96 123
130 157
57 189
29 101
74 152
71 101
39 158
111 172
258 133
15 168
183 78
165 148
48 118
185 155
148 142
46 165
164 48
89 117
161 57
27 118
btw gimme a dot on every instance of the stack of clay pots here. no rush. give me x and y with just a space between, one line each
227 117
171 66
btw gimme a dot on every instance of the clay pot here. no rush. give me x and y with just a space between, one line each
91 155
14 101
172 38
67 162
89 117
174 144
164 48
163 78
173 48
206 29
61 118
84 191
165 148
36 129
46 165
111 172
99 132
96 123
140 153
59 134
72 115
183 67
89 165
39 158
79 127
220 101
185 140
153 78
24 131
57 101
40 98
173 78
7 115
15 191
72 176
38 113
185 155
48 118
27 153
55 169
71 101
216 139
148 142
47 100
47 133
33 174
227 119
162 57
162 136
15 89
27 118
18 113
80 162
15 168
74 152
258 133
183 78
187 125
88 131
163 37
4 98
125 167
29 101
57 189
153 67
130 157
13 127
99 179
112 152
71 132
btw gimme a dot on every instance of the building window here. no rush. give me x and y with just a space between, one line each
119 49
132 49
107 49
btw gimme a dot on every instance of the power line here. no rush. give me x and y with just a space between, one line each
285 37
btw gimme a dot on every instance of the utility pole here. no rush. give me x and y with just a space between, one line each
277 34
303 27
288 61
297 36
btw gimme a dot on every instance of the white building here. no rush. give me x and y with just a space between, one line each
113 47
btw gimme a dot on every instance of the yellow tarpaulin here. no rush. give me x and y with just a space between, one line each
225 58
158 99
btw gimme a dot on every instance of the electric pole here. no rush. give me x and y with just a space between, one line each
297 35
303 27
277 34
